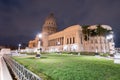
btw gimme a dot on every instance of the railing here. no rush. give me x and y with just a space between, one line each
19 70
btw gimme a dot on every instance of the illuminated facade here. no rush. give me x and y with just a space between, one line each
72 38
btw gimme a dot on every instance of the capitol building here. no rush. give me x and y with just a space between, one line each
75 38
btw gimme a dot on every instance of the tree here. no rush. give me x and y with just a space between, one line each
100 31
85 32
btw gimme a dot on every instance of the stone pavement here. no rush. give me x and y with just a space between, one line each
4 72
0 67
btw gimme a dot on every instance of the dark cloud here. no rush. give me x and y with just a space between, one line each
24 18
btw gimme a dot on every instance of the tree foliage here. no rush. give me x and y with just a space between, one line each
85 32
99 31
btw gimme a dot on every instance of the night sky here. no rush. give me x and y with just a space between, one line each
21 20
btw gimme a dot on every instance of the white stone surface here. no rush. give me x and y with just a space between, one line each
4 72
117 58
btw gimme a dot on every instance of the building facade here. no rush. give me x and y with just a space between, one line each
74 38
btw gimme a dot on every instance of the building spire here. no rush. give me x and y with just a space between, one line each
51 15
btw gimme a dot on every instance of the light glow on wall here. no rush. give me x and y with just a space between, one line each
65 48
110 36
74 47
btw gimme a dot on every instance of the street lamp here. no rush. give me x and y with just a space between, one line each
39 45
109 37
19 45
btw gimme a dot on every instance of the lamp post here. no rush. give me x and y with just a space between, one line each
19 45
39 46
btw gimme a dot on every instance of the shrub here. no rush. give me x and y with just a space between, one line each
65 52
34 53
30 53
104 54
112 55
81 53
87 53
74 53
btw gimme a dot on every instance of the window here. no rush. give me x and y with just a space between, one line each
62 40
100 41
92 47
92 41
96 41
104 40
70 41
67 41
81 40
101 47
96 47
73 39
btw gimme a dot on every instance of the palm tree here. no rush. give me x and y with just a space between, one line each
100 31
85 32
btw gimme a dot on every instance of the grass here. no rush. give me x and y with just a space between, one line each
71 67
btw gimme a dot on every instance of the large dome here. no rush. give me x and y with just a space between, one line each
50 25
50 20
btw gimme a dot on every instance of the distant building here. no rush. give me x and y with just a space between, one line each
75 38
5 51
2 47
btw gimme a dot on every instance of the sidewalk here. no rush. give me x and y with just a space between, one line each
0 68
109 58
4 72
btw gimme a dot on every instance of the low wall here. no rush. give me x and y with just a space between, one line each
5 74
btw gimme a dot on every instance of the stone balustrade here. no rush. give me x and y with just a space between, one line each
19 70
